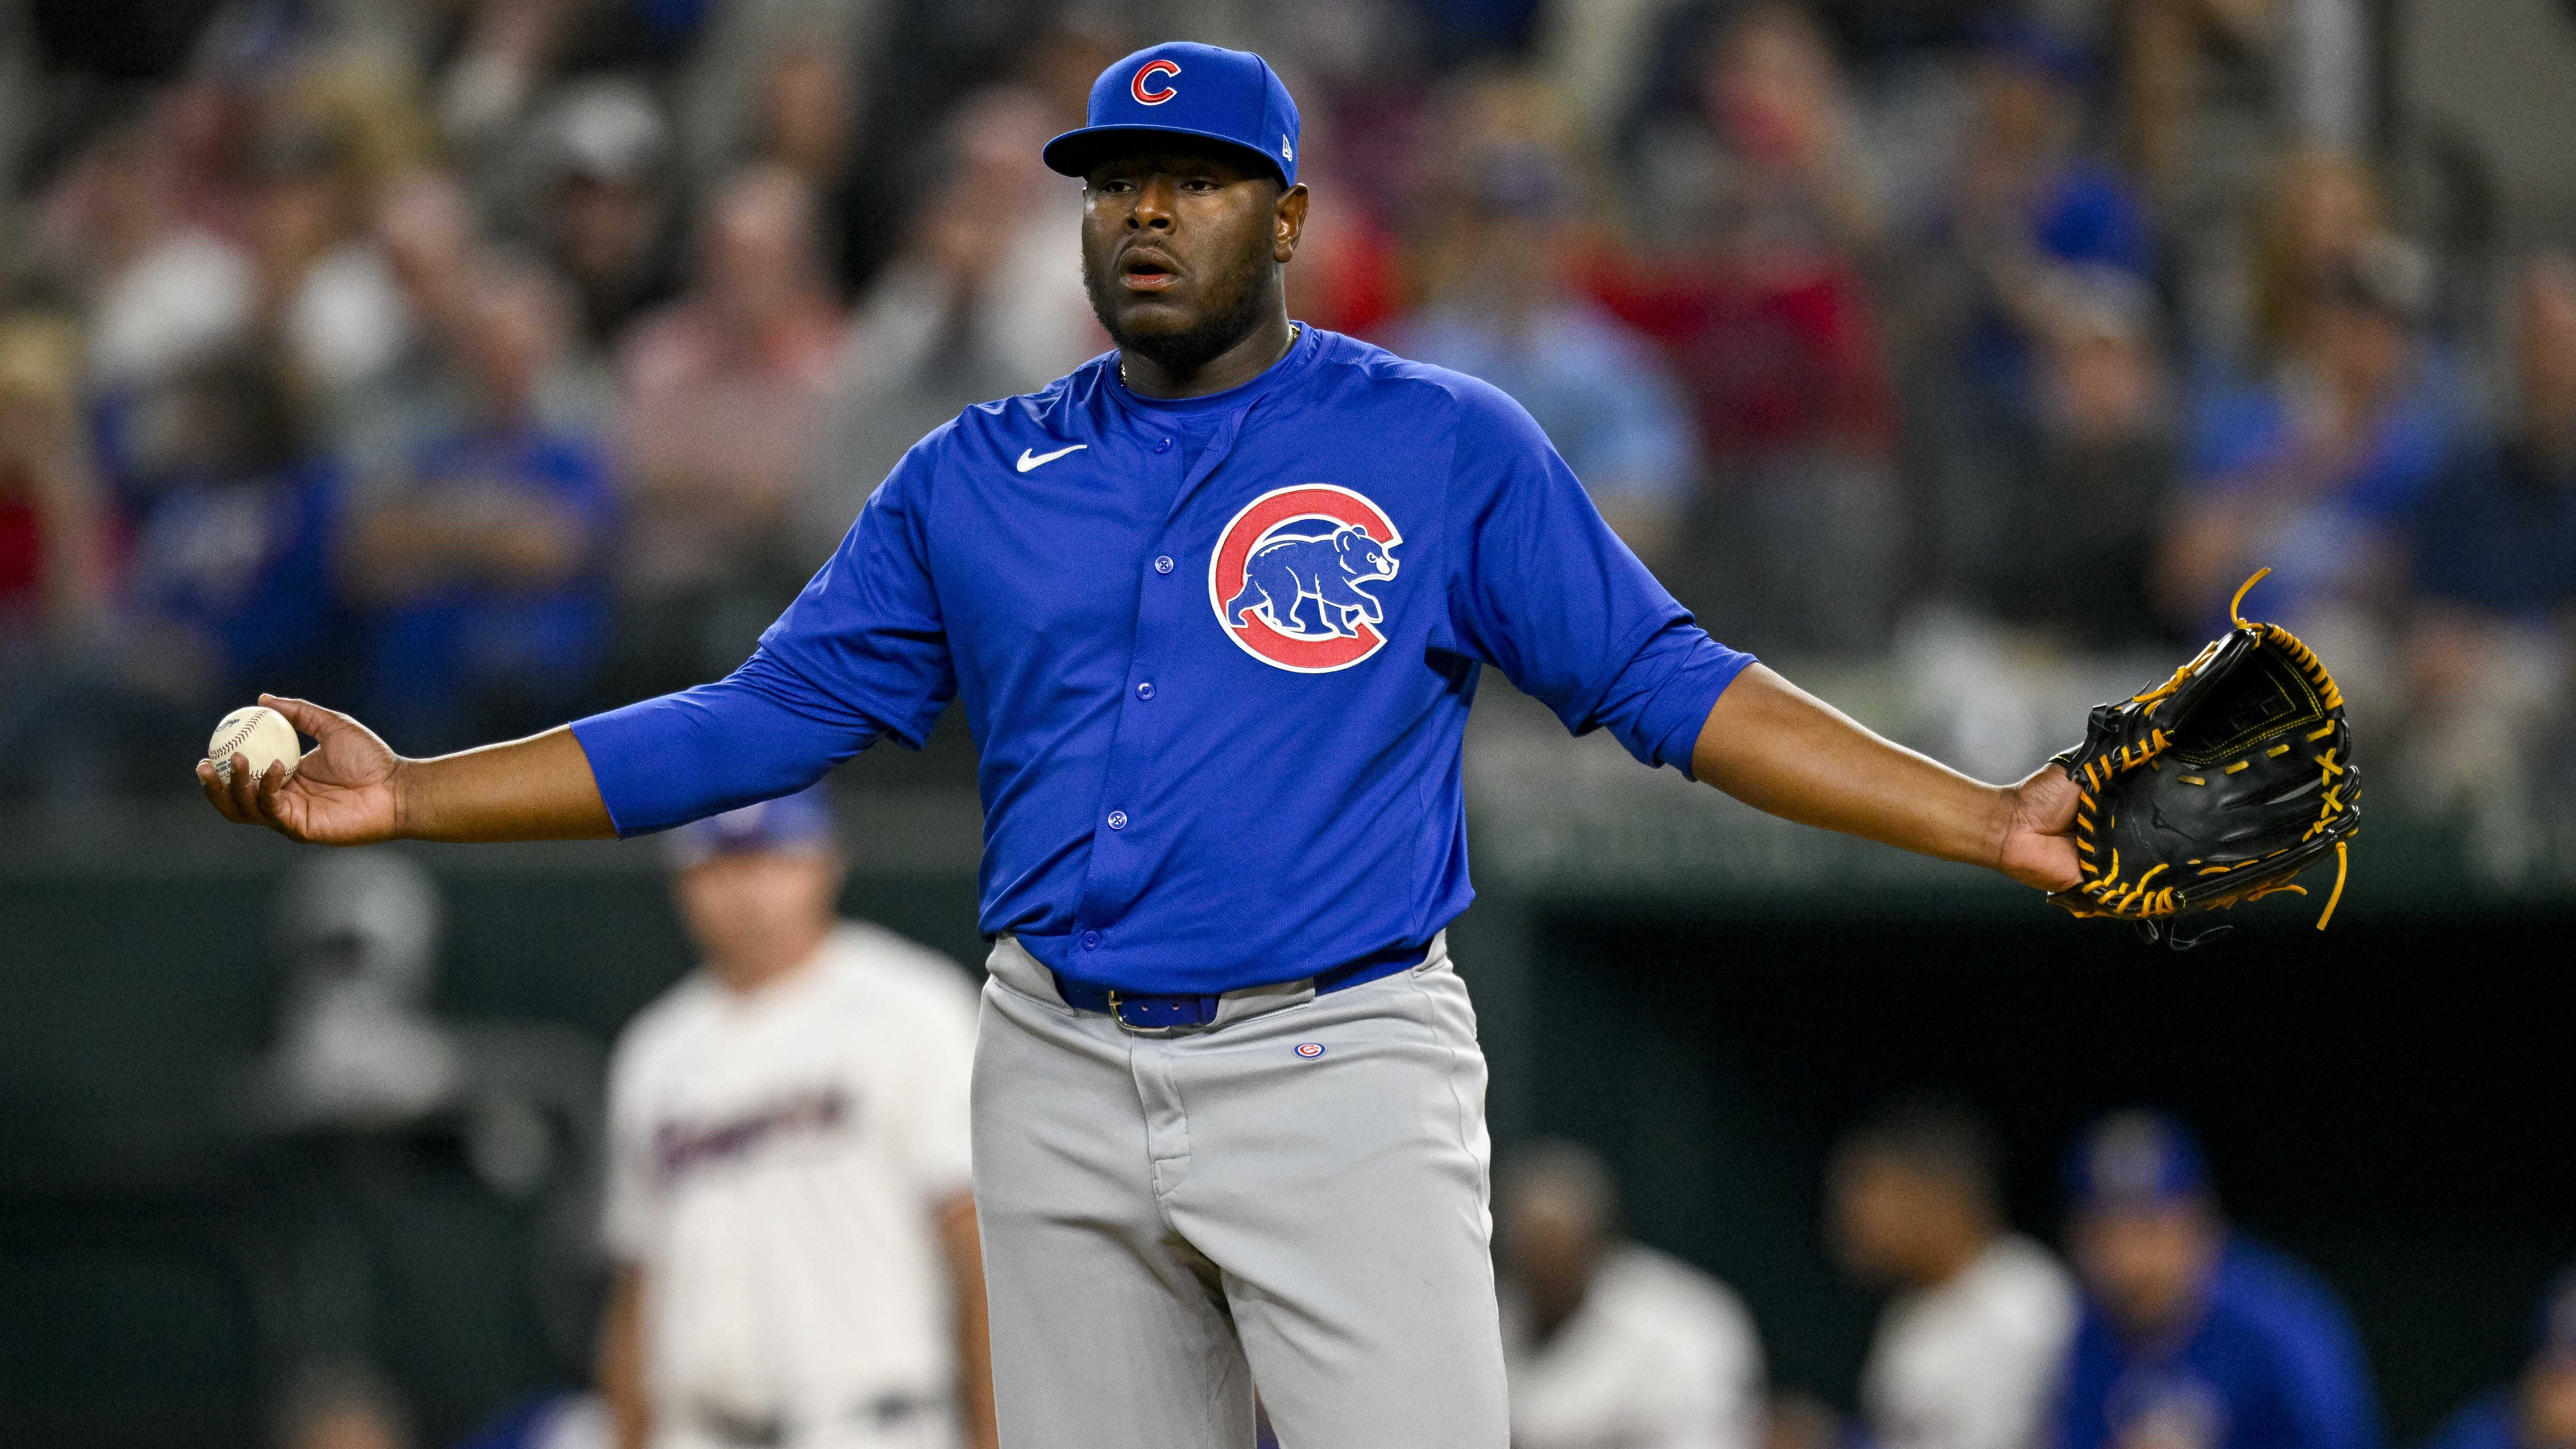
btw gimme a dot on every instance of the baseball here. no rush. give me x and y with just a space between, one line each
259 735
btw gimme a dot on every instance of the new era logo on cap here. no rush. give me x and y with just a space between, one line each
1185 89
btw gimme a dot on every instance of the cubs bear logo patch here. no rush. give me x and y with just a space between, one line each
1293 575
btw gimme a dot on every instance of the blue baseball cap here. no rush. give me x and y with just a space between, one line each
2038 48
2134 1160
798 824
1182 88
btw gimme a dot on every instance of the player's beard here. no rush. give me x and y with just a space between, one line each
1236 309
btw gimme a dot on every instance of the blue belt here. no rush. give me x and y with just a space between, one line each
1139 1011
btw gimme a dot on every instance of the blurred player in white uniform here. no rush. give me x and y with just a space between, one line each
1608 1342
1970 1350
788 1183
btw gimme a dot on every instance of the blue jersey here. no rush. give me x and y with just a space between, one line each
2498 533
1216 655
2272 1364
2490 1421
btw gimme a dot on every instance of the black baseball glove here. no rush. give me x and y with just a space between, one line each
2214 787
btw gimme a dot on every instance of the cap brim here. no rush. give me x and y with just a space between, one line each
1075 152
687 853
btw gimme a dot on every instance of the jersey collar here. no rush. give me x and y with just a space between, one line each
1301 354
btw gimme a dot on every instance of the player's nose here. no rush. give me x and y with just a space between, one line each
1154 205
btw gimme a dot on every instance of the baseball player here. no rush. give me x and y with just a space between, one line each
1973 1340
788 1180
1215 604
2538 1411
2193 1337
1607 1341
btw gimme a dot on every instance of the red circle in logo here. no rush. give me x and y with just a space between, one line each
1148 71
1295 575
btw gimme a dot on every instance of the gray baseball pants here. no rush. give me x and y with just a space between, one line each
1169 1220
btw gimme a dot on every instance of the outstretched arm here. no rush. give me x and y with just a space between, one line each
1781 750
351 789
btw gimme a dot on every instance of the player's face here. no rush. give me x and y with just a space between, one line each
1875 1205
2151 1267
1552 1241
2549 1402
1181 250
758 911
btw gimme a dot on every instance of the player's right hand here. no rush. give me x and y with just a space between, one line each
343 792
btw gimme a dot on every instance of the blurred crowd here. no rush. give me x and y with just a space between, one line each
472 363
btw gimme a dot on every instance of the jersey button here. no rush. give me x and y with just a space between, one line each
1145 690
1163 565
1164 446
1091 940
1117 819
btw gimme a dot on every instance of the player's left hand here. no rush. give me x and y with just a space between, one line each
2039 841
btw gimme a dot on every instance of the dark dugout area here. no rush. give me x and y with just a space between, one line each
2389 1100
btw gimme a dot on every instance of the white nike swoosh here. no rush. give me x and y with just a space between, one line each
1027 462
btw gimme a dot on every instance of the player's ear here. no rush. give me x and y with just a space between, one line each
1288 222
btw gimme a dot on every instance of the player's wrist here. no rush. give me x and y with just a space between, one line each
402 786
2004 811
